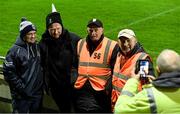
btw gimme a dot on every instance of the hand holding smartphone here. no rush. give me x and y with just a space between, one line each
143 68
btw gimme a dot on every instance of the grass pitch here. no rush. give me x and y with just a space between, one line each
155 22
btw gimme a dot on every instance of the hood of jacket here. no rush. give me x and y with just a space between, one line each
20 42
168 80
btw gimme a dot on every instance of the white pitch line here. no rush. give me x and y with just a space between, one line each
144 19
132 23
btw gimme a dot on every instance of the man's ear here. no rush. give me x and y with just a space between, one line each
87 29
158 70
102 30
24 38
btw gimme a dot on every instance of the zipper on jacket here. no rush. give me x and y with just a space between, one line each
37 50
28 50
32 51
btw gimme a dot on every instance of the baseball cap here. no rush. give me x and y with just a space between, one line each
95 22
128 33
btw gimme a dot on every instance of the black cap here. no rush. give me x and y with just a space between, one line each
95 22
53 17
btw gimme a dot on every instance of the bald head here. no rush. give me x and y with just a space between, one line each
168 61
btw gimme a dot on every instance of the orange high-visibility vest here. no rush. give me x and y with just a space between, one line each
95 68
120 76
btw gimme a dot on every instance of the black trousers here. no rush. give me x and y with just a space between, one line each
27 105
87 100
63 97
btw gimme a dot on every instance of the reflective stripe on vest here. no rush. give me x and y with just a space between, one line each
118 75
150 95
81 44
121 76
104 77
95 68
128 93
94 64
105 59
130 63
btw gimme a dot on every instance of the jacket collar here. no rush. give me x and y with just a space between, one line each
91 45
22 43
168 80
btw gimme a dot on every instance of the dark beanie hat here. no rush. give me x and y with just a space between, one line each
26 26
53 17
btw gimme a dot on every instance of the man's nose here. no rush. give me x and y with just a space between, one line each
33 35
126 43
56 31
93 32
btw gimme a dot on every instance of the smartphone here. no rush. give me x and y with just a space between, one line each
143 71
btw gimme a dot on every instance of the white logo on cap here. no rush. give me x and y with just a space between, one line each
94 20
33 27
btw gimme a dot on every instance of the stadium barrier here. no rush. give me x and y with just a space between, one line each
1 59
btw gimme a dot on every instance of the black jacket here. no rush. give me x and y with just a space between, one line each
168 80
57 57
22 69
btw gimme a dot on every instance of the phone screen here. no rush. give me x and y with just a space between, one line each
143 66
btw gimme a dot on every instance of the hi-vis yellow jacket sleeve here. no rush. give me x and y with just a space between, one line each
130 101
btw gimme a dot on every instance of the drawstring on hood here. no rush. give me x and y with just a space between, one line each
31 48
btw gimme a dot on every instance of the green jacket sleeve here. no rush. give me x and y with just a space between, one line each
130 101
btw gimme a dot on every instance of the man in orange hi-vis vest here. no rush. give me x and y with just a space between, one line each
96 56
130 52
